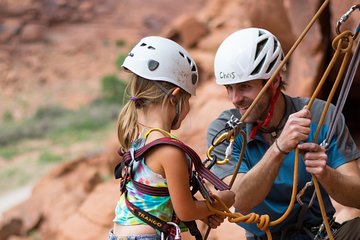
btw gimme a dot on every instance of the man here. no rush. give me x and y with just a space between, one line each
276 126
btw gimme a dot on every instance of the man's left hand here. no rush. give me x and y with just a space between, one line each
315 158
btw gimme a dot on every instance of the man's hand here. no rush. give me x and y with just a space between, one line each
296 129
315 158
214 221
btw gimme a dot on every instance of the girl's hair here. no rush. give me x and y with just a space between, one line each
145 92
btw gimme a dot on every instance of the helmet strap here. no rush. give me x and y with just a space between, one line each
265 123
177 111
172 97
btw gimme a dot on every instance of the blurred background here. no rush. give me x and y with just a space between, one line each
61 89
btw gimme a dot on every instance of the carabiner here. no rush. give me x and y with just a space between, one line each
345 17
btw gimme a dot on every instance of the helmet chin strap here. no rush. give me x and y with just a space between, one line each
176 118
265 123
177 107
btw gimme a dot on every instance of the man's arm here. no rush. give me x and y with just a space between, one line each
251 188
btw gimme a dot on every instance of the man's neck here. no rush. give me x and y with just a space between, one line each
278 115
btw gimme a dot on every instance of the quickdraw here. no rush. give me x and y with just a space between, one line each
341 44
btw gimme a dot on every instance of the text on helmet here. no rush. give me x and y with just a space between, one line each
224 75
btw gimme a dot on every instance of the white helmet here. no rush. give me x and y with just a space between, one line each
248 54
158 58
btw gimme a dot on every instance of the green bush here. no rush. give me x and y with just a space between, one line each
8 117
49 157
113 89
120 43
120 60
55 122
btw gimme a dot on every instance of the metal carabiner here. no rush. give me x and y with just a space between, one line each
177 232
302 192
345 17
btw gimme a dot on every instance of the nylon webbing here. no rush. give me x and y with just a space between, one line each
199 167
150 219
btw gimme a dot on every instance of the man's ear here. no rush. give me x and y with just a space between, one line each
175 96
277 81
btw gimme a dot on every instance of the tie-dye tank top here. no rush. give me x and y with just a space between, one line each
159 206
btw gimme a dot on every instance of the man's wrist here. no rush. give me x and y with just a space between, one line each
280 149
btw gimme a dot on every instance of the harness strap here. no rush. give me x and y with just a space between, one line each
150 219
150 190
199 167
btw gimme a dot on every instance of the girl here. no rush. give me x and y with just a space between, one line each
164 78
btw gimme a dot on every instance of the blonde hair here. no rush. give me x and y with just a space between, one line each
146 92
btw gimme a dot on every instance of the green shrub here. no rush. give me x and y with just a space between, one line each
113 89
120 60
120 43
8 117
49 157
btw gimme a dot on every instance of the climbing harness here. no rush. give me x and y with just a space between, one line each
341 44
170 230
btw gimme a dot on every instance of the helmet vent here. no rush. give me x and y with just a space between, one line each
151 47
193 69
261 33
189 60
260 47
275 44
271 65
258 67
181 54
143 44
194 78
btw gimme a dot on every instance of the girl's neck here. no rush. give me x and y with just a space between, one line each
153 118
145 128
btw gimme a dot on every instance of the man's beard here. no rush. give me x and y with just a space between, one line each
260 111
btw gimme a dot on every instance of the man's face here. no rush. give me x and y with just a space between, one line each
243 94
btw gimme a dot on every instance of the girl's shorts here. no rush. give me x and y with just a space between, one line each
112 236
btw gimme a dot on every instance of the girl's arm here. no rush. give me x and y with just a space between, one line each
173 166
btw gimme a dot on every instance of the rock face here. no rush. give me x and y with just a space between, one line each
76 200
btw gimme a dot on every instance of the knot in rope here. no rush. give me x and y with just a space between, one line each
344 41
262 221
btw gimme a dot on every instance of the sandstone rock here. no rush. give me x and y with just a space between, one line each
308 59
32 32
78 227
107 194
186 30
272 16
9 228
338 9
9 28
